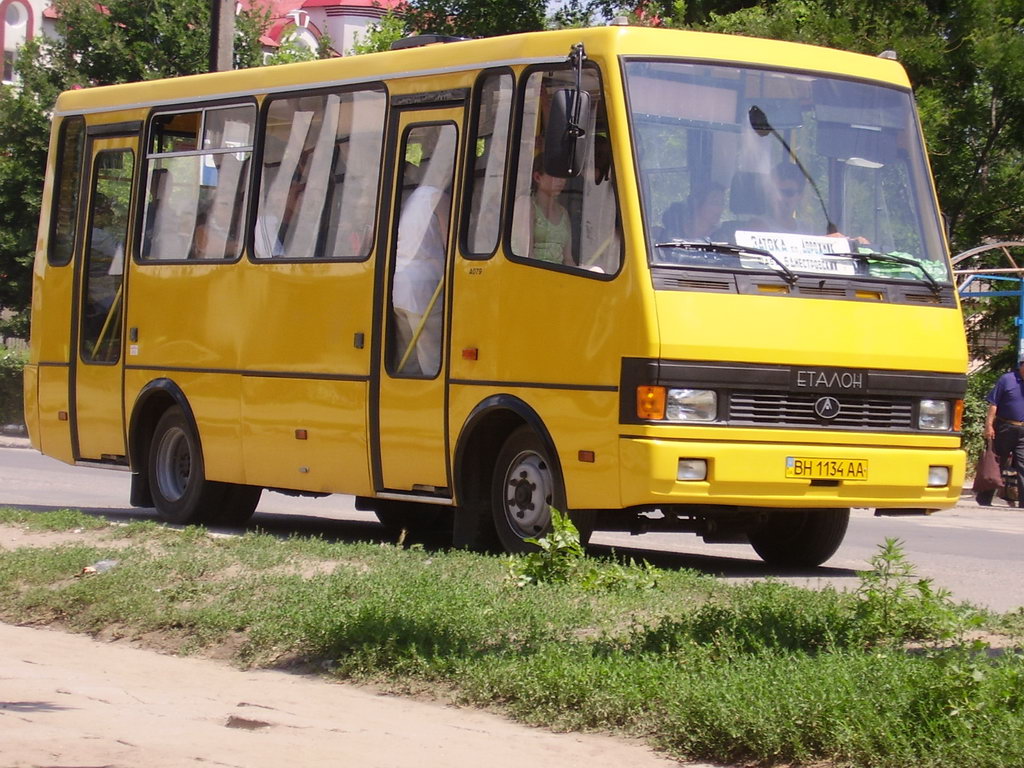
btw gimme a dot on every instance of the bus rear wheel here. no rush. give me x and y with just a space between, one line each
177 478
526 485
800 538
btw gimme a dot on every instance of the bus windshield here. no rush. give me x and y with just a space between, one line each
757 169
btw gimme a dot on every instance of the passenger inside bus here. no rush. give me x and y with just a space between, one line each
542 221
106 262
420 255
200 247
790 184
695 219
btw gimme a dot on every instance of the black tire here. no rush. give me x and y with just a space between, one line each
239 504
800 538
177 478
526 484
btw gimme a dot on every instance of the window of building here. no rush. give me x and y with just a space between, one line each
16 31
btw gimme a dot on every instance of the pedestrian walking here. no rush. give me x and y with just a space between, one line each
1004 425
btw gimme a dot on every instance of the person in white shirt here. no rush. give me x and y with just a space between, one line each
419 263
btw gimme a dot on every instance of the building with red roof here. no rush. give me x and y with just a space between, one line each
20 21
305 22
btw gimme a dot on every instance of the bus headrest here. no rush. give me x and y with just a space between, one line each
748 193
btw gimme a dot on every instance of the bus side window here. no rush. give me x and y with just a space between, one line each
66 191
320 176
198 183
570 222
488 149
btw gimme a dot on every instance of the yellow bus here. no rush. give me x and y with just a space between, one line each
659 279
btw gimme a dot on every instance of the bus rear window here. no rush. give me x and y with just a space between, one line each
66 190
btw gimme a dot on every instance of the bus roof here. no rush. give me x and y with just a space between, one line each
508 50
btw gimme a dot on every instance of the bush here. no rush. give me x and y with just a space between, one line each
14 325
560 559
975 406
12 365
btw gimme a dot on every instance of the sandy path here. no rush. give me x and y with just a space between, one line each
67 700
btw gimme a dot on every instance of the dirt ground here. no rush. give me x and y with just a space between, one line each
68 701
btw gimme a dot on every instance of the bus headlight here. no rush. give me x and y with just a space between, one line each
938 477
691 405
933 415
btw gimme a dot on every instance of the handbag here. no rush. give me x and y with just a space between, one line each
988 474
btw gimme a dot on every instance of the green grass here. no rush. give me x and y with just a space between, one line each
60 520
763 672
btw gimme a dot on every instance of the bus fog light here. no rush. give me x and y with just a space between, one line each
933 415
692 469
938 477
691 405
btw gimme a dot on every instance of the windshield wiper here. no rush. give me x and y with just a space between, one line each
866 256
706 246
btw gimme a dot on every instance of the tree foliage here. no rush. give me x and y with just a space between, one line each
119 41
475 18
965 59
379 36
24 136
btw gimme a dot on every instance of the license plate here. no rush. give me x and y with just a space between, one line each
826 469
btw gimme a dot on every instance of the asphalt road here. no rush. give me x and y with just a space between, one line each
975 552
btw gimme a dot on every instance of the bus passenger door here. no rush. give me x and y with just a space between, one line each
96 375
411 407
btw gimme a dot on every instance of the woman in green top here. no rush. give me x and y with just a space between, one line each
551 231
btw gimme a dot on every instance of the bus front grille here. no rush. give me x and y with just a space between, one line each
791 410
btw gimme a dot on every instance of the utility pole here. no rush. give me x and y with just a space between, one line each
222 35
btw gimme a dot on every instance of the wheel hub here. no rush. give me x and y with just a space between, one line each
173 464
528 489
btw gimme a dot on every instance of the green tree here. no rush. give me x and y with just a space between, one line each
671 13
291 51
965 59
475 18
119 41
24 136
379 36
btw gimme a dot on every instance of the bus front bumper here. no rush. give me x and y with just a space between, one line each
792 475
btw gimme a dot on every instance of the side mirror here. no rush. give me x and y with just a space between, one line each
566 138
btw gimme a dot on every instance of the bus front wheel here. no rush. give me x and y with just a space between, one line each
526 485
800 538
